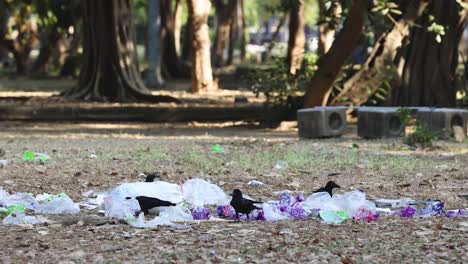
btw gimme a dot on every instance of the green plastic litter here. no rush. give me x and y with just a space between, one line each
130 218
32 156
12 208
333 216
52 197
28 156
217 148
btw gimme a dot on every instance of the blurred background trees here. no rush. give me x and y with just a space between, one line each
335 52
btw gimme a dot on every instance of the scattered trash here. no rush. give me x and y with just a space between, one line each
393 202
255 183
56 204
217 148
198 193
201 213
35 156
281 165
11 208
334 216
3 163
20 218
407 212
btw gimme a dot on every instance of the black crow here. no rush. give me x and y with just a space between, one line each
147 203
328 188
152 176
242 205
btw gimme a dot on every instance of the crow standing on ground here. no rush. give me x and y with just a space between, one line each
242 205
147 203
328 188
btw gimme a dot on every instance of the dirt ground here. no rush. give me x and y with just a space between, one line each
381 168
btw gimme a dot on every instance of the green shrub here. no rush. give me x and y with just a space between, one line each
277 84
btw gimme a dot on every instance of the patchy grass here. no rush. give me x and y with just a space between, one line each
382 168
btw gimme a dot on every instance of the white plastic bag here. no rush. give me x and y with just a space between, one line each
56 204
19 218
119 207
159 189
272 213
198 193
25 199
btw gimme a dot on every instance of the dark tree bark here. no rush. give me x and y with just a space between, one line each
202 76
242 31
271 45
109 70
171 64
153 52
225 12
49 42
296 40
426 68
375 71
186 54
233 33
330 64
326 28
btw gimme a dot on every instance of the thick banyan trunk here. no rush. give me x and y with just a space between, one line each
171 64
379 68
330 64
426 72
109 70
296 40
225 14
202 76
327 28
153 52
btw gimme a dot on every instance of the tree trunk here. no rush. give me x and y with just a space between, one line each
202 76
296 40
271 45
187 41
378 70
178 25
234 33
49 42
330 64
109 70
171 65
326 26
426 76
153 52
243 43
225 14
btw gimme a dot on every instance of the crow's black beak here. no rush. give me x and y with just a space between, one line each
337 186
231 194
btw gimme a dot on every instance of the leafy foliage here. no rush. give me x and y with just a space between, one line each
421 136
276 83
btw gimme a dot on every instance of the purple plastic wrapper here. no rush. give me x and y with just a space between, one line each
366 215
299 198
456 213
285 199
201 213
226 211
298 213
407 212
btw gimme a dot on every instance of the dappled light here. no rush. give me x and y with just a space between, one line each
233 131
